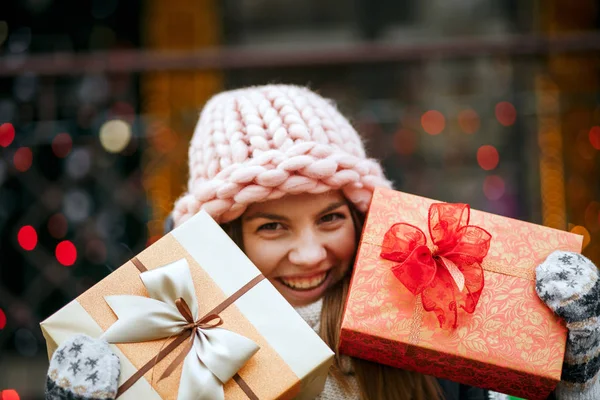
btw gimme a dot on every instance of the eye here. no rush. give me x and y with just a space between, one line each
271 226
332 217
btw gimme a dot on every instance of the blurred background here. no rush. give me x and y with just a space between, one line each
491 102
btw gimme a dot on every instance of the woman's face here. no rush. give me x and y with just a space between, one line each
302 243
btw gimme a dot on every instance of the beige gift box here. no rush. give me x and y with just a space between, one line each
292 361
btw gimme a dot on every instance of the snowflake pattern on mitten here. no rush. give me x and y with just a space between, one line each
569 284
83 368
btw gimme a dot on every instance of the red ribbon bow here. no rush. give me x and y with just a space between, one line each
459 249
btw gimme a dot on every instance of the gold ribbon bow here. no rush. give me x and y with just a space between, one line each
212 355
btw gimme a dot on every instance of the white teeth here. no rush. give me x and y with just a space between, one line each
304 283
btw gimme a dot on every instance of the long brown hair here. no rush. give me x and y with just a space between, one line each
375 381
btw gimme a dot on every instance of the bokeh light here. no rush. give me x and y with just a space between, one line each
115 135
22 159
468 120
77 205
594 136
27 237
488 157
493 187
433 122
506 113
66 253
79 163
580 230
7 134
94 89
405 141
61 145
122 110
58 226
10 394
2 319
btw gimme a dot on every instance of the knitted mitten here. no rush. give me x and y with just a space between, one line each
569 284
83 368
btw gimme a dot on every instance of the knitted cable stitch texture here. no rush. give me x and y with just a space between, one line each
261 143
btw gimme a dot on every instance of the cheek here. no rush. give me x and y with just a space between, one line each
343 246
266 255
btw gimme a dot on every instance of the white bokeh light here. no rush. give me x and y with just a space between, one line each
77 205
79 163
115 135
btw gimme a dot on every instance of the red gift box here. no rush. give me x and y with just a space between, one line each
511 343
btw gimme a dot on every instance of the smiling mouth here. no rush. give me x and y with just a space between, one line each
308 283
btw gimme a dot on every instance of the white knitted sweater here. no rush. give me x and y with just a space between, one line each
333 391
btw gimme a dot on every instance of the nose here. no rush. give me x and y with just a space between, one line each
309 250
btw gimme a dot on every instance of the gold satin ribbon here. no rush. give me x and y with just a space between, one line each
193 326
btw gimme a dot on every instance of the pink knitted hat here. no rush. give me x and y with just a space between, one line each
261 143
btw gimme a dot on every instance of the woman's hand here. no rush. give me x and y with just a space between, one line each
83 368
569 284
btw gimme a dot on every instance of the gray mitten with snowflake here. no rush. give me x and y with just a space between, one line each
83 368
569 284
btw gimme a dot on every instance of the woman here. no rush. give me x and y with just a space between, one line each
287 177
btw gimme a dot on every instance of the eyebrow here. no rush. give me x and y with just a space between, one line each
259 214
332 207
277 217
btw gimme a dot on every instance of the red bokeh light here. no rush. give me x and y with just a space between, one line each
122 110
57 226
493 187
27 237
595 137
61 145
22 159
405 142
2 319
433 122
10 394
7 134
469 121
488 157
66 253
506 113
